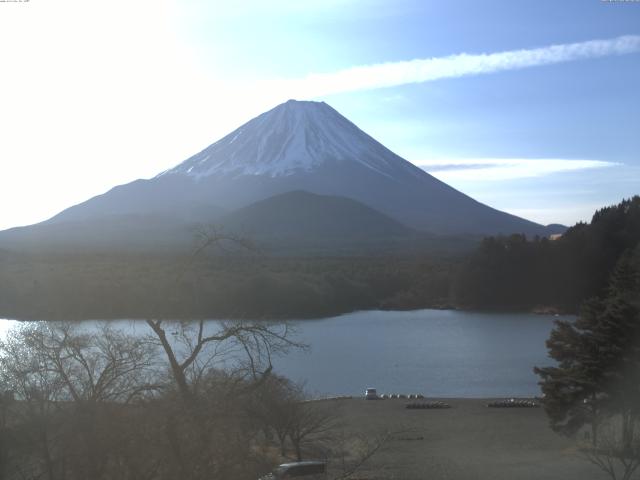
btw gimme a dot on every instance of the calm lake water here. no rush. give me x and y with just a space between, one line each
442 353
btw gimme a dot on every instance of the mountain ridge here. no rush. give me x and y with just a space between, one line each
295 146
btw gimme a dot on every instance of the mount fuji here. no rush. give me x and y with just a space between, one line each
298 146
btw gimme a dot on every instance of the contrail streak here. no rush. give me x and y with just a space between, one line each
391 74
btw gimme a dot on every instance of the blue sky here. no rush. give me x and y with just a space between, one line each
98 95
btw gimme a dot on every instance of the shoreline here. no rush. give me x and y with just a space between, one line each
339 398
542 311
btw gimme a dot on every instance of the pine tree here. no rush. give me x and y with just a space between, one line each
598 371
619 329
573 390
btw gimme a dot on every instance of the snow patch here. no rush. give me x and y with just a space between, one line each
292 138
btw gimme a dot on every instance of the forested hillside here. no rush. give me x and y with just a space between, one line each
90 286
506 273
516 273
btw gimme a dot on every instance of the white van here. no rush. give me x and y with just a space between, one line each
371 394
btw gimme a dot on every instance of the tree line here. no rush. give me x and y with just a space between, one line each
522 274
219 285
509 272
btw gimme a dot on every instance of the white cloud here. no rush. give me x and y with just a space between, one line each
392 74
501 169
541 198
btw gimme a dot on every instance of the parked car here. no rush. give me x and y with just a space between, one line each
371 394
309 470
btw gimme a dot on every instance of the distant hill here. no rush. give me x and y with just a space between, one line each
304 220
556 229
303 215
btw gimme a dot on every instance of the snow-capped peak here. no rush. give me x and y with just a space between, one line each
295 136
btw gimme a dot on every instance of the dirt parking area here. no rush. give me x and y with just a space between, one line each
467 441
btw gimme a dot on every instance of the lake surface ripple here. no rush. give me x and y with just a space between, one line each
441 353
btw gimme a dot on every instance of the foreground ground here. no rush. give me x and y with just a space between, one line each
468 441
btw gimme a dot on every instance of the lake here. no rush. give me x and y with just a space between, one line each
442 353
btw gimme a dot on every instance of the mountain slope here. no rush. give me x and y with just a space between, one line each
130 232
293 138
298 146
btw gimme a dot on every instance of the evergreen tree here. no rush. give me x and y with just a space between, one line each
598 371
619 331
573 390
519 273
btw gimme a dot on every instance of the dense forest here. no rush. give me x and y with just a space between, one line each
516 273
237 286
506 273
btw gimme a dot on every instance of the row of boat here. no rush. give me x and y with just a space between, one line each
513 403
387 396
427 405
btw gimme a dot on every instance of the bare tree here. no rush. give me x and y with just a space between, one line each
71 387
194 347
617 454
312 425
104 366
272 409
312 428
214 366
